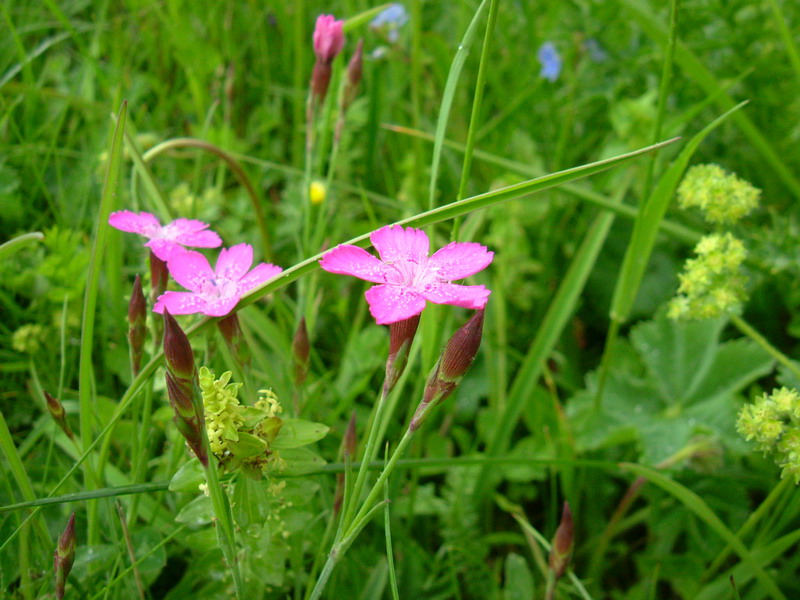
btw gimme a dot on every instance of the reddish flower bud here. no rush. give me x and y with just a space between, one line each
137 318
231 331
561 550
64 556
454 362
401 334
159 276
328 38
177 349
349 440
301 350
56 410
182 391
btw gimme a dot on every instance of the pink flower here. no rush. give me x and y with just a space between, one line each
328 38
408 276
214 292
164 240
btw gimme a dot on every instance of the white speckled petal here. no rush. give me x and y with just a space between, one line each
261 273
191 270
143 223
234 262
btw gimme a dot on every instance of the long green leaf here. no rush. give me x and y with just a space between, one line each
447 100
85 374
648 222
696 505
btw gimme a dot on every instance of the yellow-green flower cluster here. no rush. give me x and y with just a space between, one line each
773 421
711 284
722 197
239 435
222 409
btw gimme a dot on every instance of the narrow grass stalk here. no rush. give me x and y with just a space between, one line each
85 376
447 100
129 546
786 38
754 335
387 527
477 103
663 88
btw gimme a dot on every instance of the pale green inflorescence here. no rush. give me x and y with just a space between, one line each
711 284
773 421
240 435
223 418
722 197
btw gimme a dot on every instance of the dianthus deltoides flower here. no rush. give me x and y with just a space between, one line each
164 240
407 276
214 292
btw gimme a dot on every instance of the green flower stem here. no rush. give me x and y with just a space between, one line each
222 511
370 450
754 335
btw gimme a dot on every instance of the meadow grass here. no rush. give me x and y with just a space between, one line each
583 390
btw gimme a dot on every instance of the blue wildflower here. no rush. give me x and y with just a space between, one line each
391 20
551 61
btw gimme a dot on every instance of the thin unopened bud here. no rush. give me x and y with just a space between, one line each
159 276
177 349
320 79
454 362
59 415
401 335
563 542
301 350
231 330
64 556
137 318
354 73
182 390
349 440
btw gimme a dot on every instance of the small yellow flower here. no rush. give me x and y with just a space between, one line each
317 192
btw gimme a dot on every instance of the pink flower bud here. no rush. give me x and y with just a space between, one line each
401 334
159 276
137 317
177 349
231 331
454 362
301 350
354 71
64 556
561 550
328 38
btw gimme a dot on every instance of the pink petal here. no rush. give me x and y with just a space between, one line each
191 232
468 296
164 249
234 262
180 303
458 260
355 261
392 303
395 243
144 223
219 307
191 270
261 273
